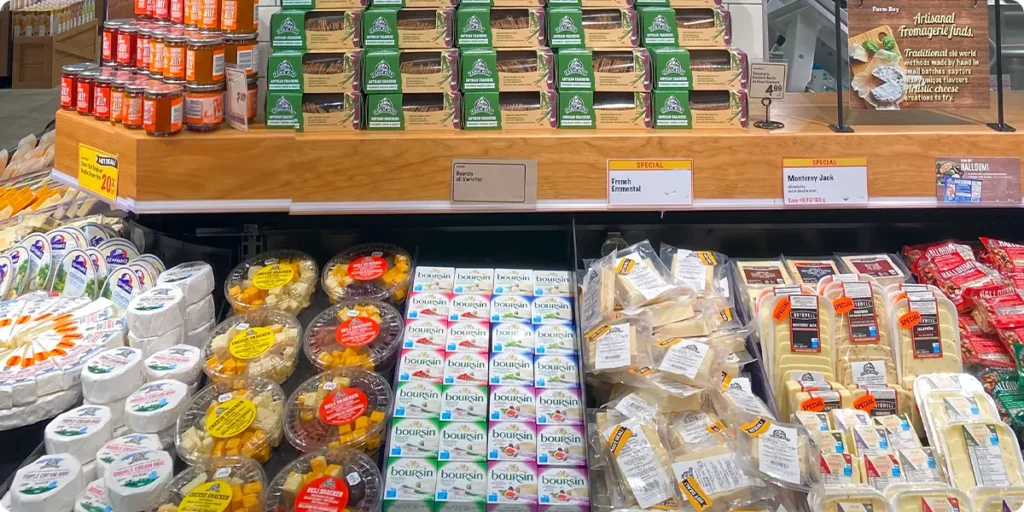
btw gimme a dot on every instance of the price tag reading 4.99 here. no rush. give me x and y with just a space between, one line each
97 172
824 181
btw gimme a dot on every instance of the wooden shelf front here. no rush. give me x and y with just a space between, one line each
390 167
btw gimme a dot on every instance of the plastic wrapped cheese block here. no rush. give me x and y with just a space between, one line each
337 478
156 311
354 333
845 419
284 280
156 405
867 440
641 277
117 448
997 499
781 453
706 272
840 469
848 499
112 374
900 431
49 484
640 459
597 298
690 362
801 333
883 267
346 408
238 417
194 278
919 466
715 473
150 346
810 271
981 453
881 470
216 483
944 407
93 498
379 272
693 431
619 345
884 400
927 335
198 314
931 498
862 317
754 276
180 362
136 481
79 432
257 343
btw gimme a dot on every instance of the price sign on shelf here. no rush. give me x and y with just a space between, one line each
825 181
97 172
767 80
650 183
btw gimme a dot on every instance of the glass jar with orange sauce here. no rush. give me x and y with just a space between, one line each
242 50
163 110
204 63
175 44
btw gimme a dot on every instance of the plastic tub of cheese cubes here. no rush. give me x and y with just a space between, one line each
355 333
344 408
237 417
260 343
233 483
284 280
369 271
351 479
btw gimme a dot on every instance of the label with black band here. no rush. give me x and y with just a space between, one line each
927 342
863 323
803 324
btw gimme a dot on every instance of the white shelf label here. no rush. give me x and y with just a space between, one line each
767 80
825 181
666 183
494 181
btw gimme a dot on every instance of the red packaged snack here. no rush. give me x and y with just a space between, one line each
965 281
969 326
1001 308
1006 256
986 351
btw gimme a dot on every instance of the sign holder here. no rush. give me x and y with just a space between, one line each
1000 124
767 123
768 84
840 125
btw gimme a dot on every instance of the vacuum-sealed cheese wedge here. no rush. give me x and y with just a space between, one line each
784 454
619 345
881 470
886 400
704 271
997 499
931 499
840 469
813 421
850 499
886 269
597 298
694 431
715 474
867 440
919 466
945 407
981 453
642 279
735 400
670 396
811 270
641 461
670 311
845 419
900 431
690 362
701 324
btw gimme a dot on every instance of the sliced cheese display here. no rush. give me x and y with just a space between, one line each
715 473
884 400
757 275
867 440
810 271
886 269
112 374
180 362
799 335
981 453
137 481
156 311
861 314
641 278
258 343
926 336
93 498
932 498
49 484
155 406
239 417
79 432
851 499
944 407
117 448
215 485
195 279
900 431
824 400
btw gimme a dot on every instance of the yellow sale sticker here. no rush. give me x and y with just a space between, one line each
97 172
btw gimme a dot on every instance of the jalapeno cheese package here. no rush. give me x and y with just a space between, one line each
336 477
355 333
690 362
930 498
844 499
981 453
619 346
926 336
284 280
784 454
237 417
641 462
369 271
227 480
997 499
256 343
342 408
641 277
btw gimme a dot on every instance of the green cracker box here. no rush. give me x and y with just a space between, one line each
658 27
315 112
413 4
685 26
417 111
574 69
626 70
576 110
710 73
487 69
330 72
602 110
315 30
509 110
410 71
283 109
572 27
672 109
387 27
306 5
672 70
500 27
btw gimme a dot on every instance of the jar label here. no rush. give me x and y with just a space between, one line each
101 101
204 108
177 11
367 268
230 418
343 406
157 64
175 62
251 342
273 276
124 44
141 48
84 94
149 8
148 117
208 497
108 43
66 98
218 65
116 100
177 113
190 65
209 18
324 493
161 10
187 11
140 7
357 332
229 19
133 111
244 58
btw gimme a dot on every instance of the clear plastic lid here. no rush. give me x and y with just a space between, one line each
284 280
215 484
258 343
353 478
369 271
360 333
238 417
343 408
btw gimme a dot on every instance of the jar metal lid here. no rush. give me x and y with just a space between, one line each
90 73
205 88
138 86
145 31
206 39
175 81
76 68
241 37
104 79
128 28
164 90
175 38
113 23
123 77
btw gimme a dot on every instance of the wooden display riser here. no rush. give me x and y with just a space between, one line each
384 170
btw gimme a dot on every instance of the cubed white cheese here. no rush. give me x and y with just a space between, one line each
137 481
152 345
194 278
155 406
198 314
119 447
81 432
49 484
112 374
156 311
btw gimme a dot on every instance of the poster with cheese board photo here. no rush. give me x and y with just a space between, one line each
926 55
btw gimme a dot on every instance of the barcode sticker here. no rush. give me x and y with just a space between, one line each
245 59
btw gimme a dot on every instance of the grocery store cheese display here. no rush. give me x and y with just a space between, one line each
80 432
238 417
156 405
180 362
136 481
115 449
260 342
355 333
218 482
380 272
112 374
49 483
283 280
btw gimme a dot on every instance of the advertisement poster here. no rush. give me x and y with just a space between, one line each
980 181
918 54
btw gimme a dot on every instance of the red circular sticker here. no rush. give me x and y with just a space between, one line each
367 268
356 332
325 494
343 406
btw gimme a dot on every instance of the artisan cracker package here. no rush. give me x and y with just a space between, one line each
686 27
415 111
410 71
718 69
316 30
314 72
672 69
627 70
315 112
488 69
500 27
711 4
502 3
305 5
408 28
415 4
699 109
509 110
570 27
584 109
618 4
671 109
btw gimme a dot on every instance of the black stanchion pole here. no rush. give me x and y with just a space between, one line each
1000 125
840 125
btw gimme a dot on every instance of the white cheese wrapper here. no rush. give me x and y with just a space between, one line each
137 481
79 432
93 498
199 313
194 278
116 411
156 311
120 446
112 374
641 461
180 362
200 336
155 406
51 482
152 345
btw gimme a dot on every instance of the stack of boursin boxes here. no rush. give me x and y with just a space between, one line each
490 372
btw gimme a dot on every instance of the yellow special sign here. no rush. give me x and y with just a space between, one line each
97 172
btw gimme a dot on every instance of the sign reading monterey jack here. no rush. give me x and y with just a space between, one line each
650 183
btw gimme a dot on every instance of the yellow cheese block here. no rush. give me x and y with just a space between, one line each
787 399
982 453
813 421
845 419
867 440
888 399
900 430
717 474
